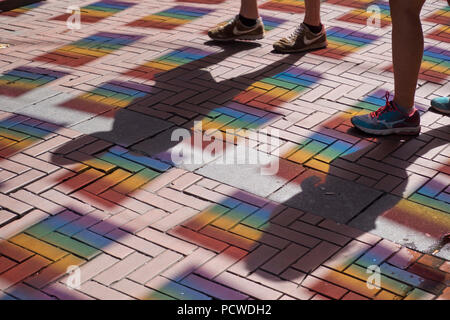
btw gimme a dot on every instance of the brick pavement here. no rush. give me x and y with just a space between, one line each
87 179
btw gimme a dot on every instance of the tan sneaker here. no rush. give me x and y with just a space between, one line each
302 39
236 30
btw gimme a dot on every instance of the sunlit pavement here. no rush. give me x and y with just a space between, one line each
88 178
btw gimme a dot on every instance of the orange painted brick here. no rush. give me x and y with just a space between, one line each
386 295
38 246
431 261
79 181
260 236
345 281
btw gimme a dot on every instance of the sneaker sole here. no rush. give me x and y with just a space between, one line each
241 37
444 111
310 48
386 132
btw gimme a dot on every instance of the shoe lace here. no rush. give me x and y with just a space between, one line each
298 31
389 106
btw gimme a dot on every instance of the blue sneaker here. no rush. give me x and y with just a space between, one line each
388 120
441 104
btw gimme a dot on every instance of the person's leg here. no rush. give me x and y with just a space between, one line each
249 9
407 49
400 116
312 13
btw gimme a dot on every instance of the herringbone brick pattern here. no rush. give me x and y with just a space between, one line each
140 227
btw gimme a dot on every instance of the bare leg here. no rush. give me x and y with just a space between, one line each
407 49
312 14
249 9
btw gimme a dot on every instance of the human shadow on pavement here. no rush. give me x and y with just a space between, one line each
322 194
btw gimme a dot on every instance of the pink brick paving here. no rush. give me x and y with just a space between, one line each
140 228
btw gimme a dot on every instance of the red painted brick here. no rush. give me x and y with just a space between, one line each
21 271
